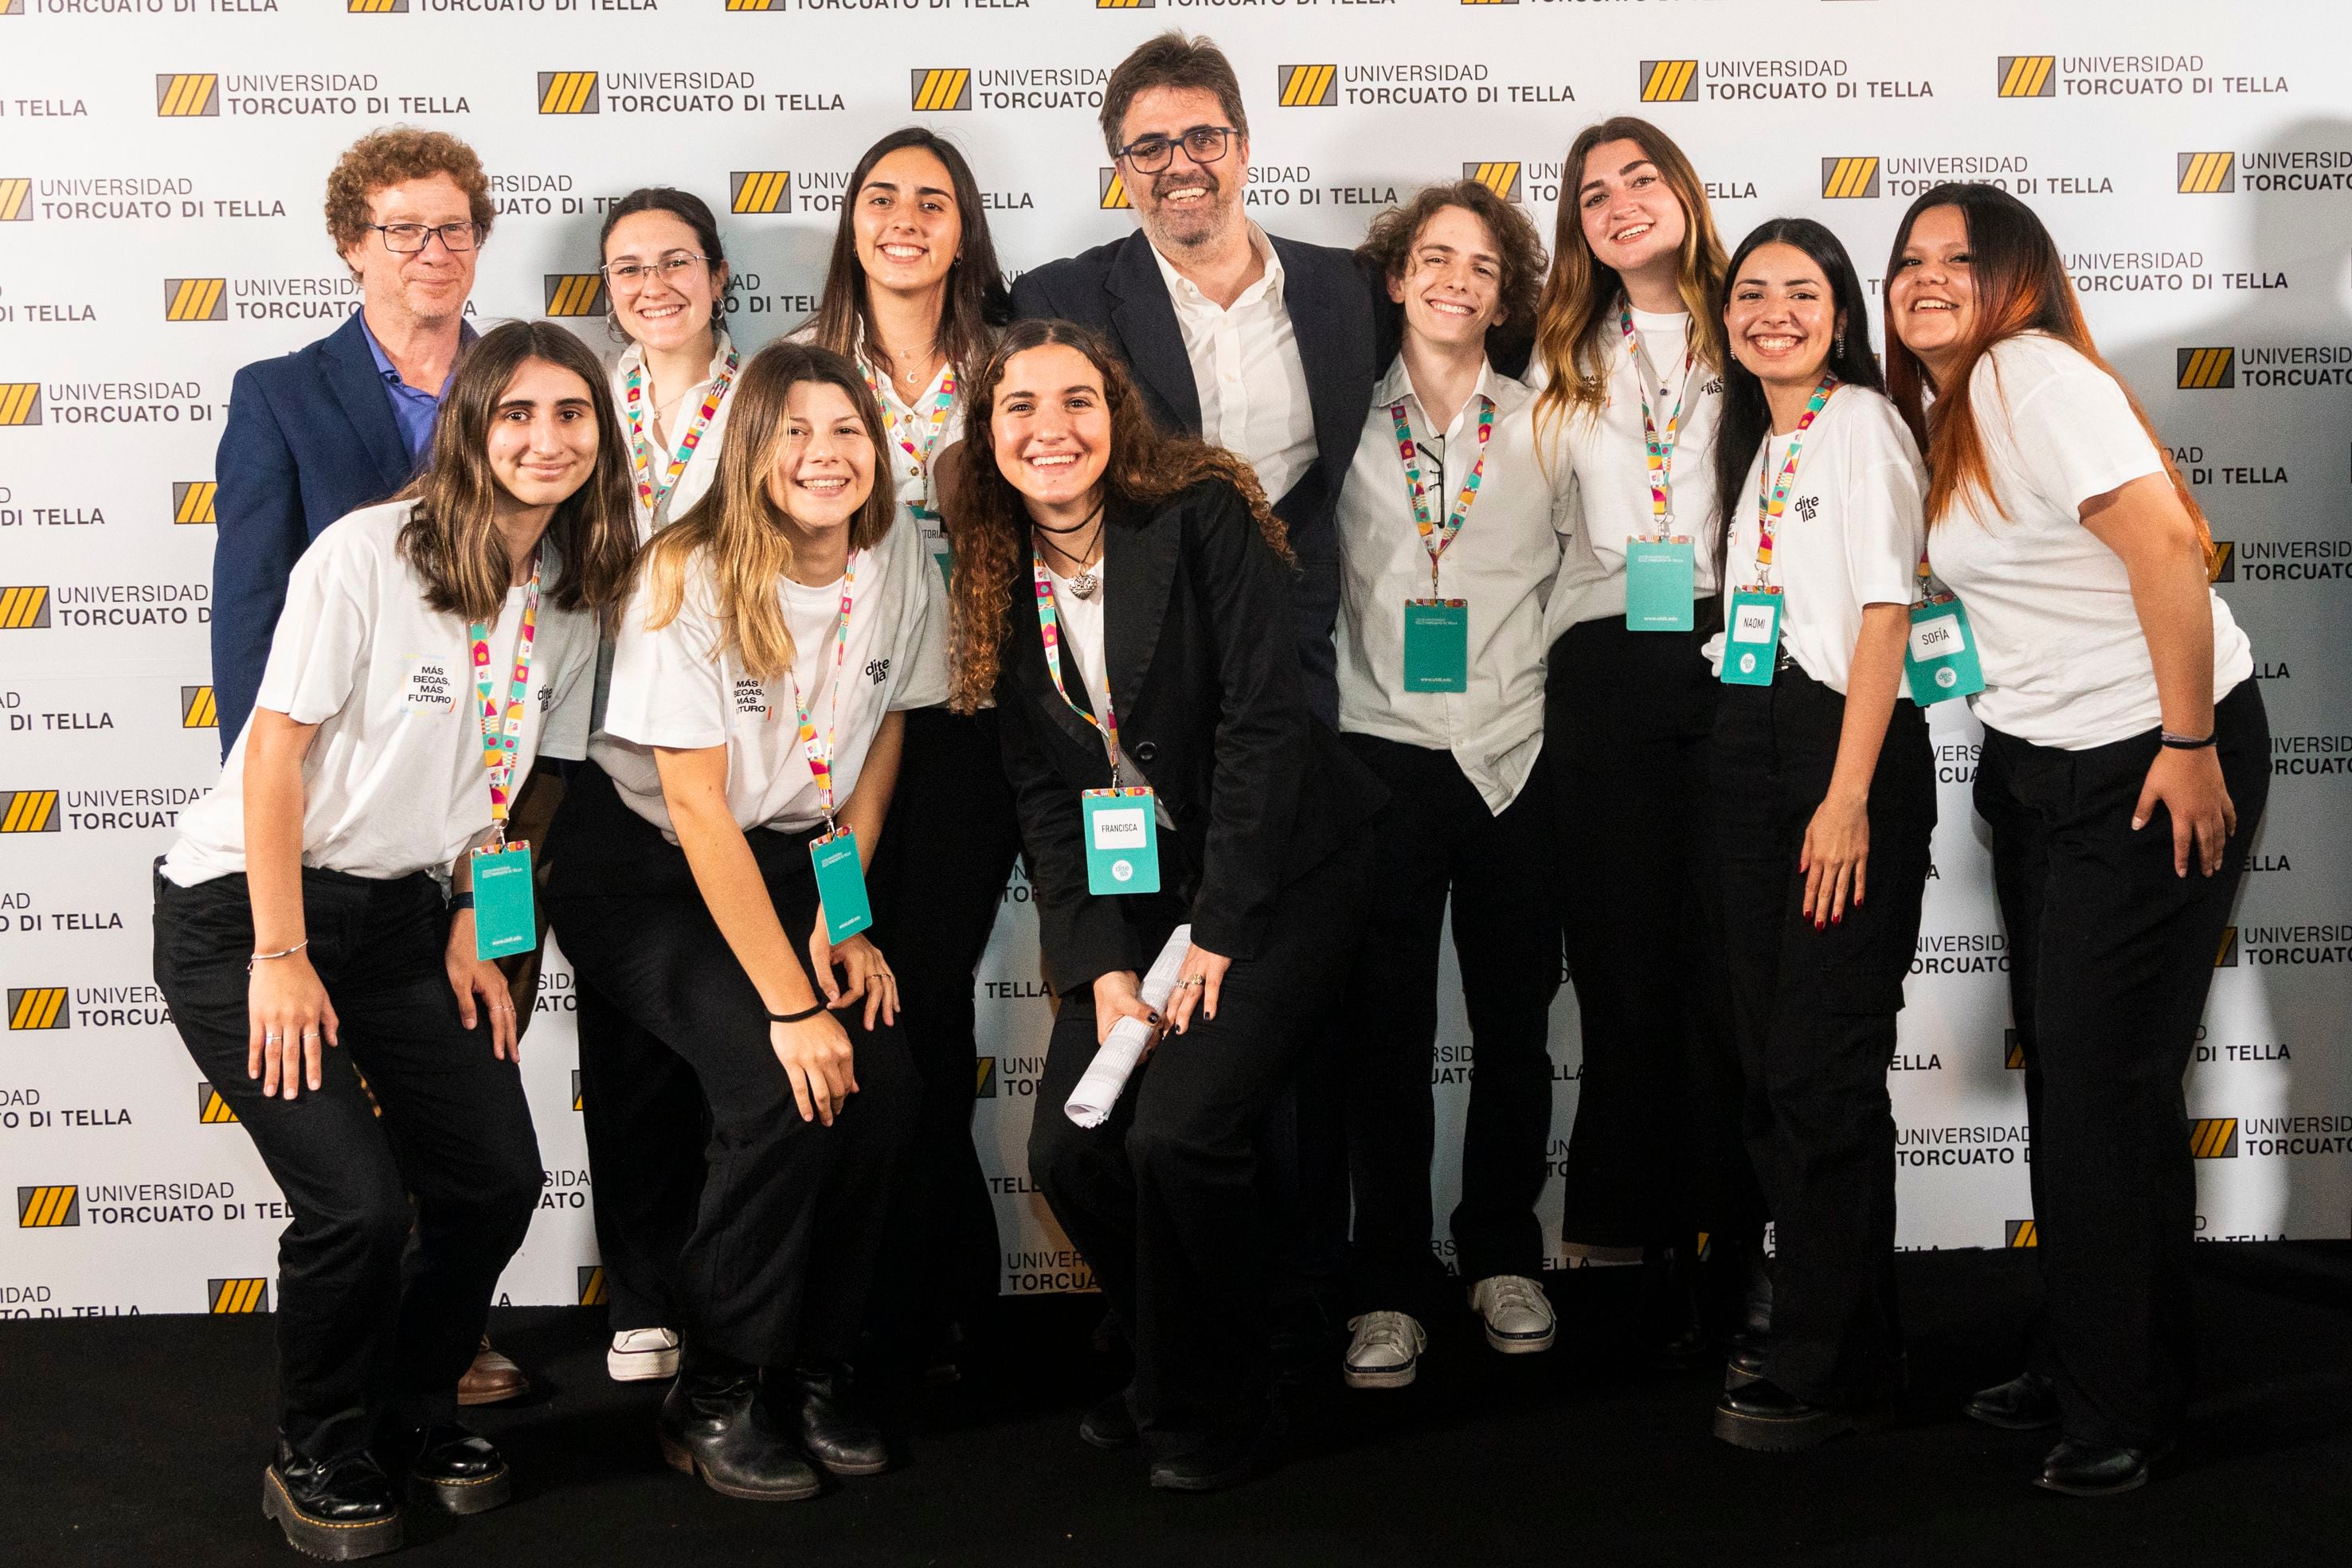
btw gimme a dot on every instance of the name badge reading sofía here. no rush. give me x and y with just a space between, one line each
1660 581
840 885
506 920
1437 644
1122 840
1752 640
1941 659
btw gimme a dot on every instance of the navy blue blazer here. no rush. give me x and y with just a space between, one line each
310 436
1345 340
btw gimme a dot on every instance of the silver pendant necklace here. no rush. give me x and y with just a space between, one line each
1087 579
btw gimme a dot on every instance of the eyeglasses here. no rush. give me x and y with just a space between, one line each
1202 144
408 239
669 268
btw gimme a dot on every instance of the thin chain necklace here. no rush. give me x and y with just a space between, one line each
1085 583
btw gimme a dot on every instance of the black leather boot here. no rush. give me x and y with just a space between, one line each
1754 1328
2025 1401
1764 1415
834 1430
716 1425
2095 1470
336 1508
456 1470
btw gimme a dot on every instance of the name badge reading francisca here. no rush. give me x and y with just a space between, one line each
1941 659
1660 581
1122 840
1751 639
1437 645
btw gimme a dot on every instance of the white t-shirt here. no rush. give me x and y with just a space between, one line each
394 783
2066 663
677 687
1080 621
1605 452
695 480
1849 535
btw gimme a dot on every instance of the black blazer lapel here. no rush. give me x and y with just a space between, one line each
1321 324
358 387
1140 552
1144 320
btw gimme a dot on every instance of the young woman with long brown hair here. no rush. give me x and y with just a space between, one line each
1629 356
316 920
1121 593
706 879
2125 768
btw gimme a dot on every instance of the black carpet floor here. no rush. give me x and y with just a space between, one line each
141 1441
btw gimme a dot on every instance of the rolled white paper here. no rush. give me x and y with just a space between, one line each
1098 1089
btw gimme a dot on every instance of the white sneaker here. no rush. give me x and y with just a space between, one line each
1385 1351
1517 1314
643 1356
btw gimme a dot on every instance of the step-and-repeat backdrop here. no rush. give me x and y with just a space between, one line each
162 164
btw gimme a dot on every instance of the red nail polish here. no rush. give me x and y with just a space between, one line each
1820 924
1838 919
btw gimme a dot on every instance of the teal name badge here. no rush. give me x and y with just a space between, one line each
1661 579
1751 639
1940 660
841 884
504 921
933 526
1122 841
1437 644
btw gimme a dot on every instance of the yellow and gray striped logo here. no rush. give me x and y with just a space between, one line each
757 4
2021 1233
1125 4
576 1099
1669 81
761 190
942 86
567 92
2013 1055
210 1109
2028 76
193 499
983 1083
47 1207
24 609
2225 952
195 299
187 96
39 1007
2206 370
29 810
2222 561
20 402
592 1284
16 201
1844 179
2207 173
1503 178
1490 2
374 7
2213 1137
237 1295
1110 187
12 8
574 293
198 709
1307 86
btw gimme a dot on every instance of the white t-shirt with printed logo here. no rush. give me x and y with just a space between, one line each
394 783
677 687
2065 662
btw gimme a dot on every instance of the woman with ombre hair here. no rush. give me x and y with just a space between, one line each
1630 357
2124 772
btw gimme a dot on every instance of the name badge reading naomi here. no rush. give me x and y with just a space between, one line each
1751 641
840 885
1122 841
1661 579
1437 644
506 920
1941 659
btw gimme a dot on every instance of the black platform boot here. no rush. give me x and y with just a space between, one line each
338 1509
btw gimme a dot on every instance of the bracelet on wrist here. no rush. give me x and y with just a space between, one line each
461 900
2186 742
800 1017
281 953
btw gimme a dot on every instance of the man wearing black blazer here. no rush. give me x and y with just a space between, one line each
1266 346
346 421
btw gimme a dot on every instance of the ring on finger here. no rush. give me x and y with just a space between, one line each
273 1037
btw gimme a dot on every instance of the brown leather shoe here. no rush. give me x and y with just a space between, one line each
492 1379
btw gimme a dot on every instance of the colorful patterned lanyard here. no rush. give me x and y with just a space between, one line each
1770 504
1409 455
641 450
1049 629
502 731
919 457
819 763
1660 452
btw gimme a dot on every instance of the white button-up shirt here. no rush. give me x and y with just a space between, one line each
1503 562
1246 372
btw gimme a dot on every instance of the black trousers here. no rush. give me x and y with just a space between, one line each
2111 958
1814 1011
780 1253
1162 1198
371 1332
1657 1155
937 882
1440 838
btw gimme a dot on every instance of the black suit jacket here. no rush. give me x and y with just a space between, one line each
1345 340
1209 710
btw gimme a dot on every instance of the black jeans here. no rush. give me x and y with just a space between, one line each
1657 1155
781 1252
937 882
1162 1200
1814 1014
1438 839
2111 958
366 1339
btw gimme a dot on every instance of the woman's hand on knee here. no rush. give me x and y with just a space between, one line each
288 1014
817 1059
